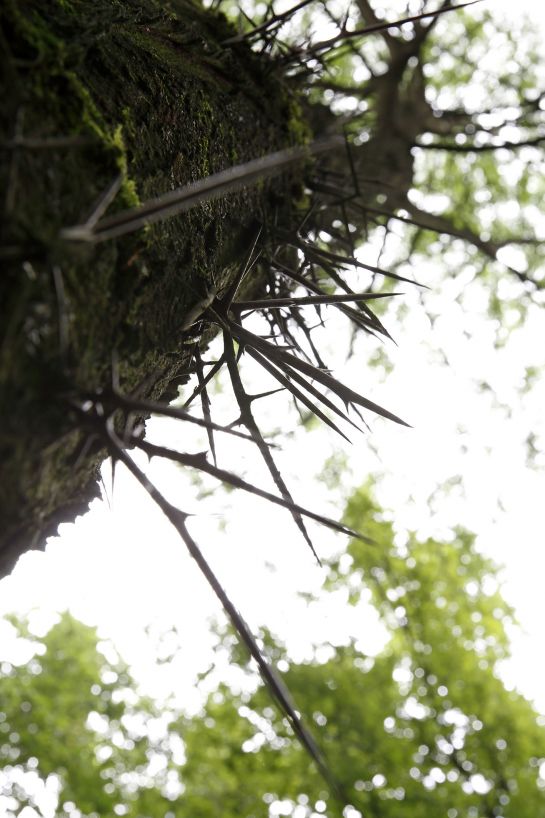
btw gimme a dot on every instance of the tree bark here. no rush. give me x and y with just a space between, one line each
159 94
146 91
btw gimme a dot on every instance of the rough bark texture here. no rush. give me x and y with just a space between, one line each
163 94
92 90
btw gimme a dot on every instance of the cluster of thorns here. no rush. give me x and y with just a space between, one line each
112 415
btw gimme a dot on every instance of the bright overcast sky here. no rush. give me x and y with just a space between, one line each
122 568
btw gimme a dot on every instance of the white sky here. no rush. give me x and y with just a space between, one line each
123 568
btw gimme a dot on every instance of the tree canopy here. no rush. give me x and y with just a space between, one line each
425 726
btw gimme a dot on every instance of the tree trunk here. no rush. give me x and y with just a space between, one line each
147 92
158 94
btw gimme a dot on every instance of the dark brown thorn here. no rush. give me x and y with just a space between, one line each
292 374
240 352
369 324
272 681
364 316
283 325
297 394
265 394
84 448
102 204
215 368
205 404
105 493
264 358
246 17
113 464
249 422
307 332
276 303
345 393
276 21
336 237
343 36
384 241
354 262
138 405
230 479
210 187
247 264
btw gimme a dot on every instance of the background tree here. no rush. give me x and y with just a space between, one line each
424 727
75 727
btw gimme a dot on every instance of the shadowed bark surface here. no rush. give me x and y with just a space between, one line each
91 92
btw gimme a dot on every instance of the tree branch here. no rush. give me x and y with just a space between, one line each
453 148
441 224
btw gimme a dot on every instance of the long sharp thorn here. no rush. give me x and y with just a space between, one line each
265 394
210 374
182 199
336 298
205 405
343 392
234 480
292 374
295 391
140 405
250 423
348 311
273 682
247 264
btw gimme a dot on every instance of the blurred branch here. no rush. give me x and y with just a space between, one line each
272 680
441 224
274 22
454 148
370 19
380 27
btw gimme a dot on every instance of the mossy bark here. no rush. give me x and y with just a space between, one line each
92 90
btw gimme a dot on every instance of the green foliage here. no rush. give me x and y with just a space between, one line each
424 728
486 81
474 84
71 714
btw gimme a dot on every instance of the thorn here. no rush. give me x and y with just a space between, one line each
85 230
265 394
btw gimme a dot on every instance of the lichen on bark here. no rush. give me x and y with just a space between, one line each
148 90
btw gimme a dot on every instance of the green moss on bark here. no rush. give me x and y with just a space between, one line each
148 90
